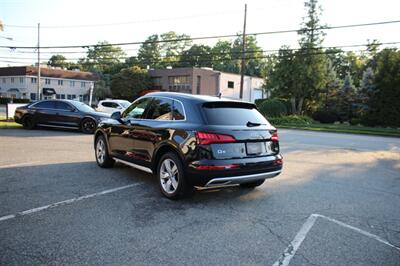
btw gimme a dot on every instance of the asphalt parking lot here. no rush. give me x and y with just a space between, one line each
336 203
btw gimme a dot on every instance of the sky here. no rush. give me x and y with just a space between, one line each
69 22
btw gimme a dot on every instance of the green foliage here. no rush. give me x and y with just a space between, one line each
326 117
258 102
149 53
291 119
101 90
58 61
103 58
273 108
5 100
197 56
129 82
384 107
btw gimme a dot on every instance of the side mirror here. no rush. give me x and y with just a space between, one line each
116 115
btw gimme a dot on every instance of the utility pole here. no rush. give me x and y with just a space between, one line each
38 62
243 53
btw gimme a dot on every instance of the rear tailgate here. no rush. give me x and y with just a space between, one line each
243 122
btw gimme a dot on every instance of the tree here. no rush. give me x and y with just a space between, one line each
101 90
346 99
104 58
129 82
58 61
172 46
150 52
198 55
312 61
222 57
333 86
384 107
255 62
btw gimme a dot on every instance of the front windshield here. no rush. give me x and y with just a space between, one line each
125 104
82 107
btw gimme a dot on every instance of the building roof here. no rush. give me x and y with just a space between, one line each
47 72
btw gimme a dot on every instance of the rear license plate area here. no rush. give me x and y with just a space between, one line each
255 148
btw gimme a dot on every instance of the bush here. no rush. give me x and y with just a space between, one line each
21 101
273 108
291 119
326 117
4 100
258 102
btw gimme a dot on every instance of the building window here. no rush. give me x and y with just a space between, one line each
21 80
69 96
12 80
81 98
231 84
73 96
33 80
83 84
62 96
198 84
60 82
58 96
179 83
33 96
157 84
72 83
47 81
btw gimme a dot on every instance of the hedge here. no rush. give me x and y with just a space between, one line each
273 108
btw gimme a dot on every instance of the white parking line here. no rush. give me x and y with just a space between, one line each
291 250
64 202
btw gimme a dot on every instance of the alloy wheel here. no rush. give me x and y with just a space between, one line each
100 151
169 176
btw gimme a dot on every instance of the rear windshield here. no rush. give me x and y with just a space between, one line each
232 113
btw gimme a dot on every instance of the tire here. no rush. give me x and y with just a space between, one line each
28 122
172 181
252 184
103 158
88 126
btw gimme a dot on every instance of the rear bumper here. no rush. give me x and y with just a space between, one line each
223 181
246 170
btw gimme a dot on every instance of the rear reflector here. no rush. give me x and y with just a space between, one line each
274 136
209 138
278 162
217 167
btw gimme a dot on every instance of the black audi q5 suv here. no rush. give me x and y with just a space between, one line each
190 141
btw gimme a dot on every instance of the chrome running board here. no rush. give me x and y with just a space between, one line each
139 167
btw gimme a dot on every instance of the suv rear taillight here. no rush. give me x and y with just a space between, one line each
206 138
274 137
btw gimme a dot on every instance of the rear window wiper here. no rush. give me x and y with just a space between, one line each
252 124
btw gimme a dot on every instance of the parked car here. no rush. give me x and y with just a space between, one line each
111 106
191 140
59 114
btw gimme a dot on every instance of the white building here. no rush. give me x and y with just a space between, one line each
21 82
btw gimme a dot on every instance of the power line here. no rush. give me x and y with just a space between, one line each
206 37
232 53
214 60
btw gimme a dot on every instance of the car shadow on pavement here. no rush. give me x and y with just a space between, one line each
40 132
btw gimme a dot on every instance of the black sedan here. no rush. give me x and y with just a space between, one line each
59 114
191 141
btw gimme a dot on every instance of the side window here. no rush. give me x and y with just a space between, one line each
178 112
63 106
136 109
161 109
45 105
114 105
106 104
